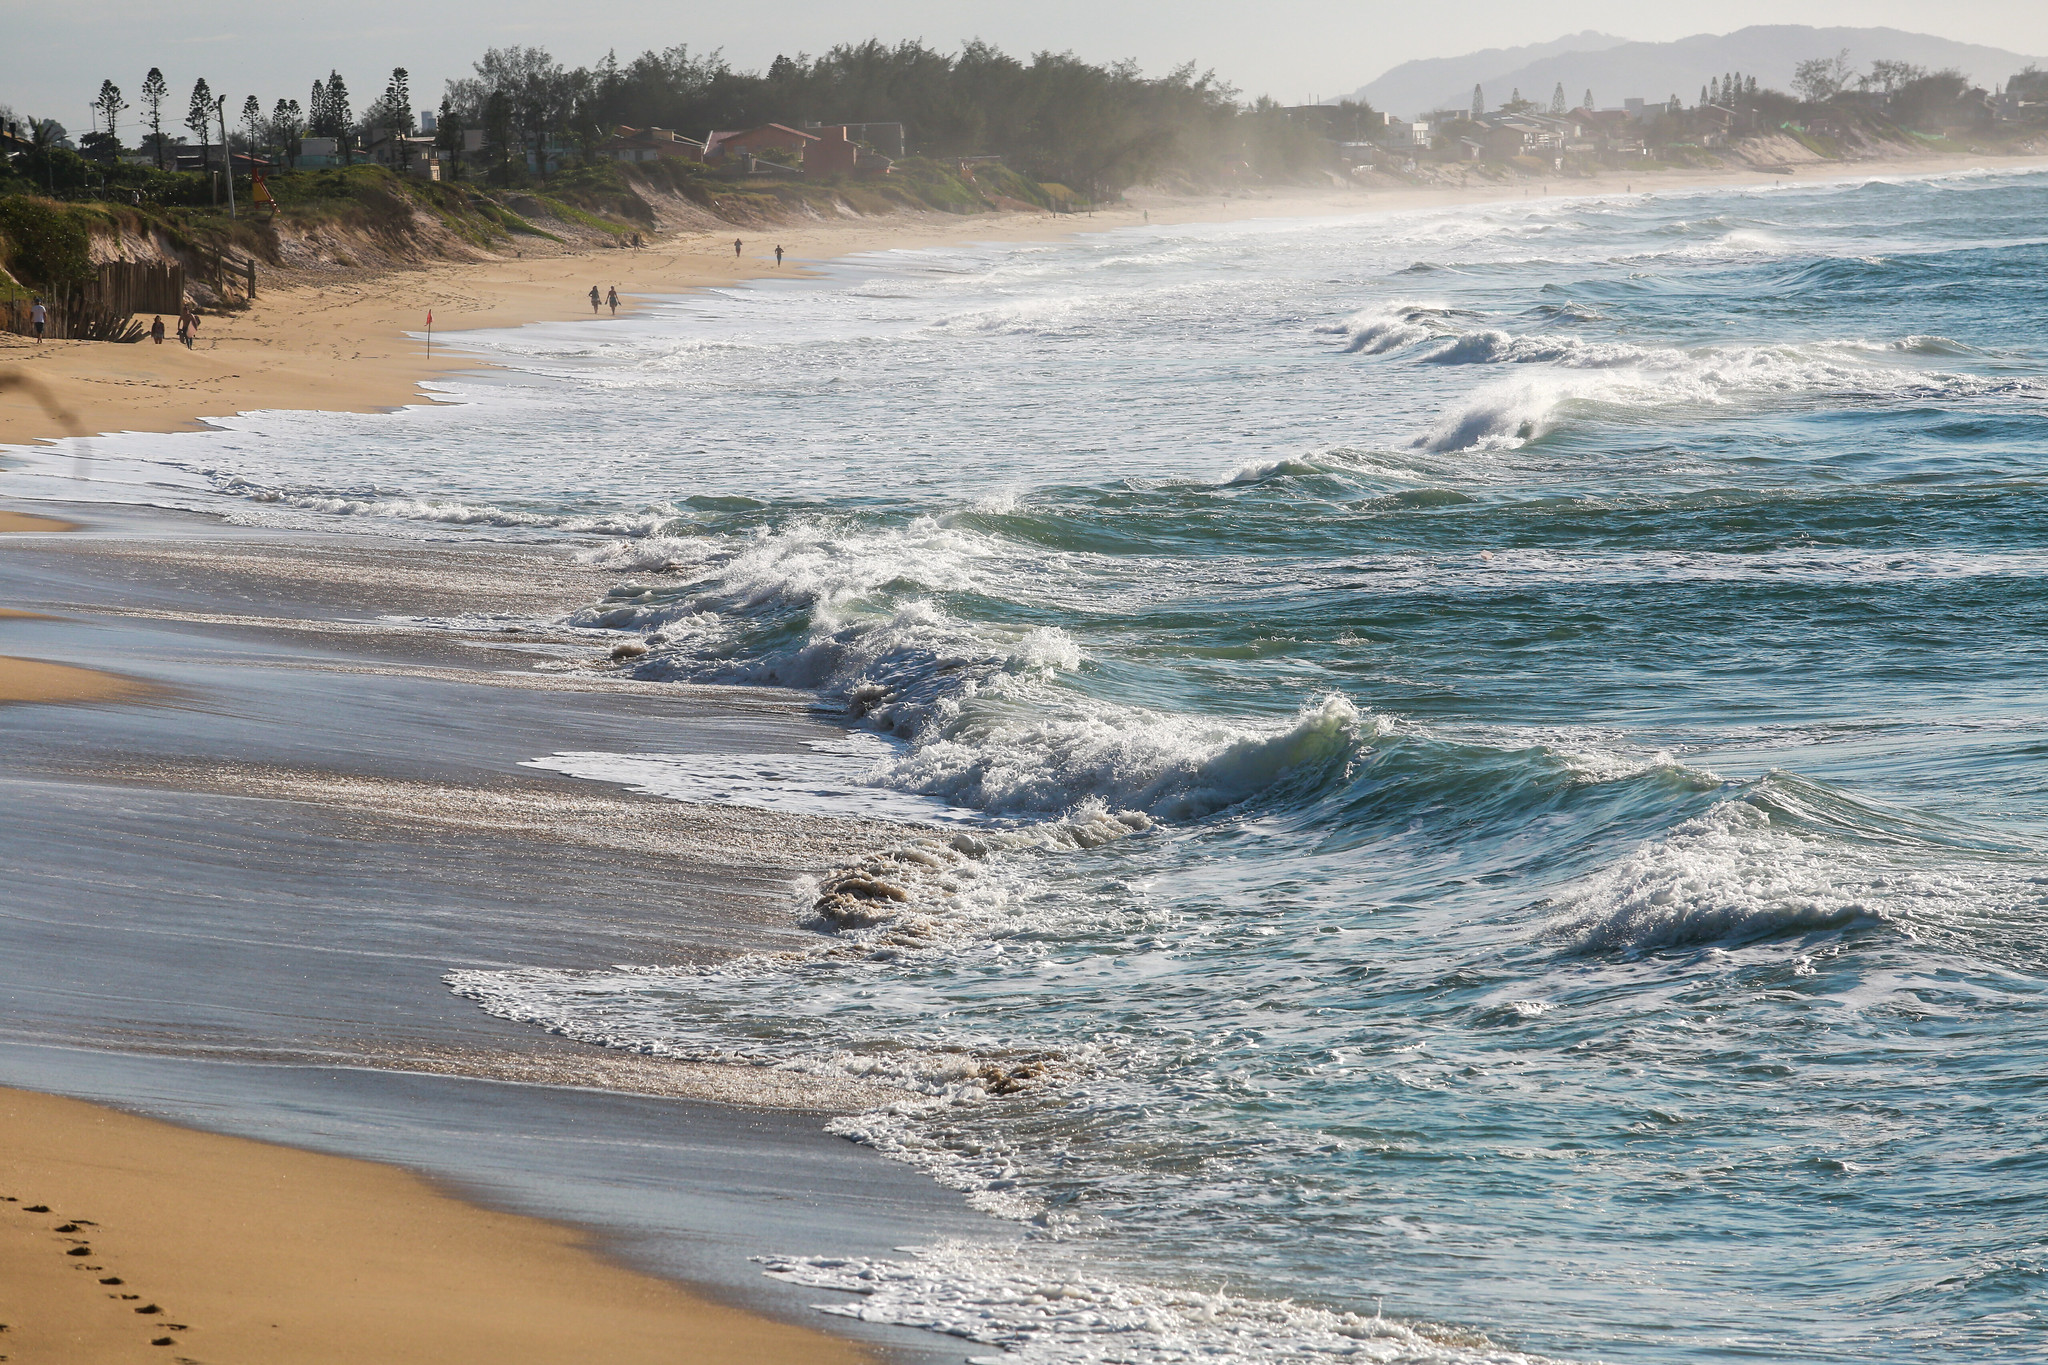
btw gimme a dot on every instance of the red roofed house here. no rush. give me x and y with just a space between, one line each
770 141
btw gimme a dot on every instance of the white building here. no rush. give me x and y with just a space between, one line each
1404 135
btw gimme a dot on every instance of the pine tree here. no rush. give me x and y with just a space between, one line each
1705 100
339 116
1478 104
252 119
287 127
109 105
1588 105
1557 99
154 93
393 110
199 117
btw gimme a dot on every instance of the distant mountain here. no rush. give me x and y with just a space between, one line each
1615 70
1413 87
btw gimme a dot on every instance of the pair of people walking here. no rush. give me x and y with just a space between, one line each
610 296
737 244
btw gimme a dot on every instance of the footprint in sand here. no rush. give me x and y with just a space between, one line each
37 1208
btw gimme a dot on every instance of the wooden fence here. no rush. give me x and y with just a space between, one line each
104 309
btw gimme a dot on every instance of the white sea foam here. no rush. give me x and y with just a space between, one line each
1173 767
1038 1306
1512 411
1393 326
837 777
1727 874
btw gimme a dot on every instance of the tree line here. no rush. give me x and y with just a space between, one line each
1055 117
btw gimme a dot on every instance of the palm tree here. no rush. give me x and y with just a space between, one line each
44 135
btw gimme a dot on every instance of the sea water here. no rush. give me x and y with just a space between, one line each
1487 766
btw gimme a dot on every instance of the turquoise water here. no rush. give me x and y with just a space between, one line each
1498 754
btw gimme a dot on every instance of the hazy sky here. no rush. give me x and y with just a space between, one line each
54 55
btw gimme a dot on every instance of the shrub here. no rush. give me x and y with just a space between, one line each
43 244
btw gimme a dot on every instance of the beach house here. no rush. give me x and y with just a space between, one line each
649 144
770 141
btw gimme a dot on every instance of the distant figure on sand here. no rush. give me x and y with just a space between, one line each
40 316
596 299
156 330
735 248
188 326
778 258
611 296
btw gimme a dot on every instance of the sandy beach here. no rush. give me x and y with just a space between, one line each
260 777
120 1236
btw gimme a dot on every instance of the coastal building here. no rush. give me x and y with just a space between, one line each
836 153
886 139
769 141
2024 99
414 156
1399 134
632 145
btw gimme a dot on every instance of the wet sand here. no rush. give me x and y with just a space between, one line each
36 680
234 907
121 1235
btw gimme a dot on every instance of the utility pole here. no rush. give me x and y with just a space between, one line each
227 153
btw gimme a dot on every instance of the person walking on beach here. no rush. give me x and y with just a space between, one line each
188 326
778 258
611 296
40 316
156 330
596 300
735 248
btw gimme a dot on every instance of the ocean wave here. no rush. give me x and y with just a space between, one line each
1171 767
1260 471
1566 370
857 615
1789 857
1391 326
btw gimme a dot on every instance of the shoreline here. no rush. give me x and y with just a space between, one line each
232 623
330 811
120 1233
351 347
